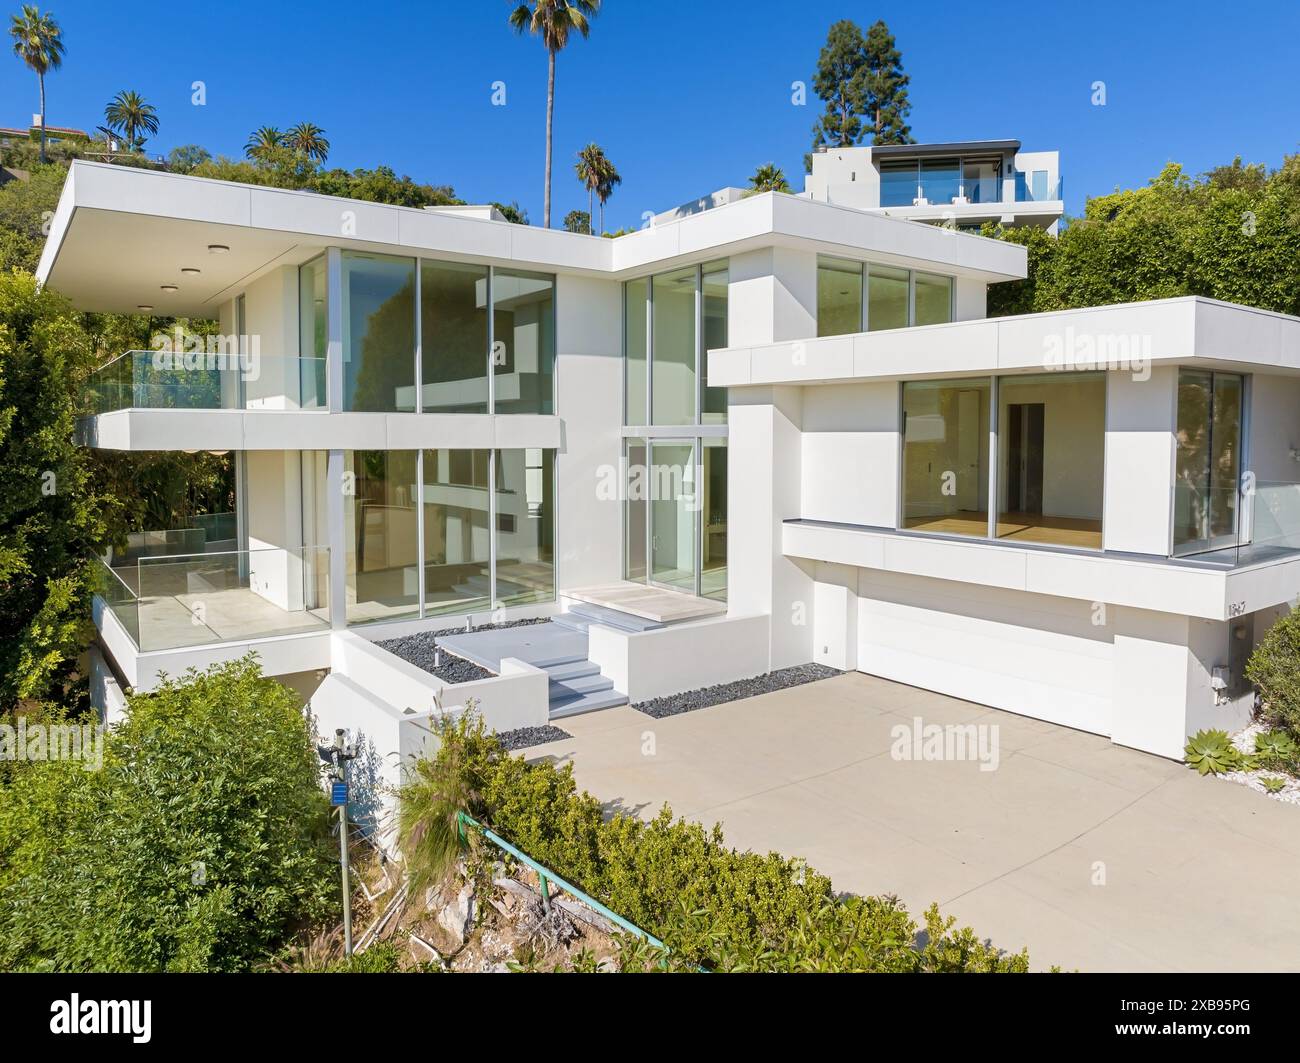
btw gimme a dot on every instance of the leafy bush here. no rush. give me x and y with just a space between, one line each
1274 667
712 905
199 846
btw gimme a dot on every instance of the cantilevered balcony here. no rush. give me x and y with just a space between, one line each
161 380
166 601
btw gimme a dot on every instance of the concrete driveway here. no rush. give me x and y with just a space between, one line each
1098 858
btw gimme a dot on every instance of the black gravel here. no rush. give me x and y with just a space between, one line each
523 737
418 649
741 688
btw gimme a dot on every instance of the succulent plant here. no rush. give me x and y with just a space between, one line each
1212 753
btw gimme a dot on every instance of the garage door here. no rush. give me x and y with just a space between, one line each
1030 654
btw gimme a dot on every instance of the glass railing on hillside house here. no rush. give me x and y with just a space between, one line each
168 601
157 380
1260 522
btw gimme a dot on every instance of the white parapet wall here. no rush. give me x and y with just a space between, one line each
670 660
390 709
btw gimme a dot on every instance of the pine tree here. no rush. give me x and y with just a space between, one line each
885 89
839 81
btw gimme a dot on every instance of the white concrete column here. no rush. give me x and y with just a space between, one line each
1141 418
835 616
589 389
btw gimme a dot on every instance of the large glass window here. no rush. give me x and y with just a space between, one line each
525 503
313 310
1051 458
945 456
713 290
1207 462
382 535
453 337
886 298
636 511
673 385
457 532
981 180
636 296
523 341
839 297
898 181
713 549
933 299
940 180
378 333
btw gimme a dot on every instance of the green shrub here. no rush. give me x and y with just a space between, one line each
1275 749
1274 667
712 905
200 845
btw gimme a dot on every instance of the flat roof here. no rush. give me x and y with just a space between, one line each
959 147
122 234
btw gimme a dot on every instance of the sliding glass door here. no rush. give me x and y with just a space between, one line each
1207 463
673 511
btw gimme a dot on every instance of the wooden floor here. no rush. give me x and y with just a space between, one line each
650 603
1027 527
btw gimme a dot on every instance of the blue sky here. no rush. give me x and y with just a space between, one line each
684 96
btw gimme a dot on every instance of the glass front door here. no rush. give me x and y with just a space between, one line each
673 512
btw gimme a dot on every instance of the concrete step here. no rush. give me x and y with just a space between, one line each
581 615
571 670
584 684
587 703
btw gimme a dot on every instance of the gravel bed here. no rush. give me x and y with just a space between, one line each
741 688
418 649
523 737
1245 741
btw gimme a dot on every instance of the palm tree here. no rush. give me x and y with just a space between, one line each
262 142
553 21
129 115
38 42
769 178
609 177
309 140
590 161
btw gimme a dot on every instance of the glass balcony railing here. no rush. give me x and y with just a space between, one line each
169 601
1267 524
154 380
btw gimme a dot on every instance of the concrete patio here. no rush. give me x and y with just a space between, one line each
1096 857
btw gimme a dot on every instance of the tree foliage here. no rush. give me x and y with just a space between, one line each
200 845
1232 234
51 517
861 81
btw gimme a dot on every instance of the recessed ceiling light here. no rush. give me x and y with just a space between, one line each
217 249
190 269
144 306
169 287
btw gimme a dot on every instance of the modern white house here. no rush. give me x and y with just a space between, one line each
962 185
777 431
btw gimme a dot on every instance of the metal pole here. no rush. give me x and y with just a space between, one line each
343 855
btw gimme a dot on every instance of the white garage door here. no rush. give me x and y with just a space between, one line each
1030 654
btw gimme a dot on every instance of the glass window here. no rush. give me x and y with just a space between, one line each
713 551
1038 186
523 341
898 180
453 338
636 295
637 511
673 385
945 456
378 333
1051 458
525 531
981 179
1207 461
382 536
940 180
839 297
933 299
457 536
714 279
886 298
313 334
